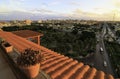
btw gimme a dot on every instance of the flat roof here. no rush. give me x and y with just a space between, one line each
5 70
27 33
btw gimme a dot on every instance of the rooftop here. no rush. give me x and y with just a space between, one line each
27 33
5 69
57 66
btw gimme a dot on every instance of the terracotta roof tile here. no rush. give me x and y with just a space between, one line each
99 75
69 72
27 33
52 58
80 73
90 74
56 65
51 63
109 77
63 68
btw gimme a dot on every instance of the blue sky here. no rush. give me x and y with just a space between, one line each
59 9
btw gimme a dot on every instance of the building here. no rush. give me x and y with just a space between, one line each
29 35
56 66
28 22
39 21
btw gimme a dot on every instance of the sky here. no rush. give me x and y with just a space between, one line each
60 9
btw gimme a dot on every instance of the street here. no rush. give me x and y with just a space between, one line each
98 59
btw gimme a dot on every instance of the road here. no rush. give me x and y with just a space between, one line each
97 60
101 57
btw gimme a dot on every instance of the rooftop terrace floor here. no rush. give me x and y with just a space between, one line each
5 70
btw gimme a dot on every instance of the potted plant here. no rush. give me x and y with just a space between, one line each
29 62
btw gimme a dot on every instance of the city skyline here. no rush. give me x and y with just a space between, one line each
60 9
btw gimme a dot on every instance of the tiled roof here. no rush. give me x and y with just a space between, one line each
56 65
27 33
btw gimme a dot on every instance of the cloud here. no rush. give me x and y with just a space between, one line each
54 3
105 12
102 10
18 15
74 3
80 14
18 0
116 3
12 5
15 2
42 11
83 13
44 5
4 9
76 14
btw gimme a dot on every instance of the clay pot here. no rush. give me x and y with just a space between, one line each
31 71
8 48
